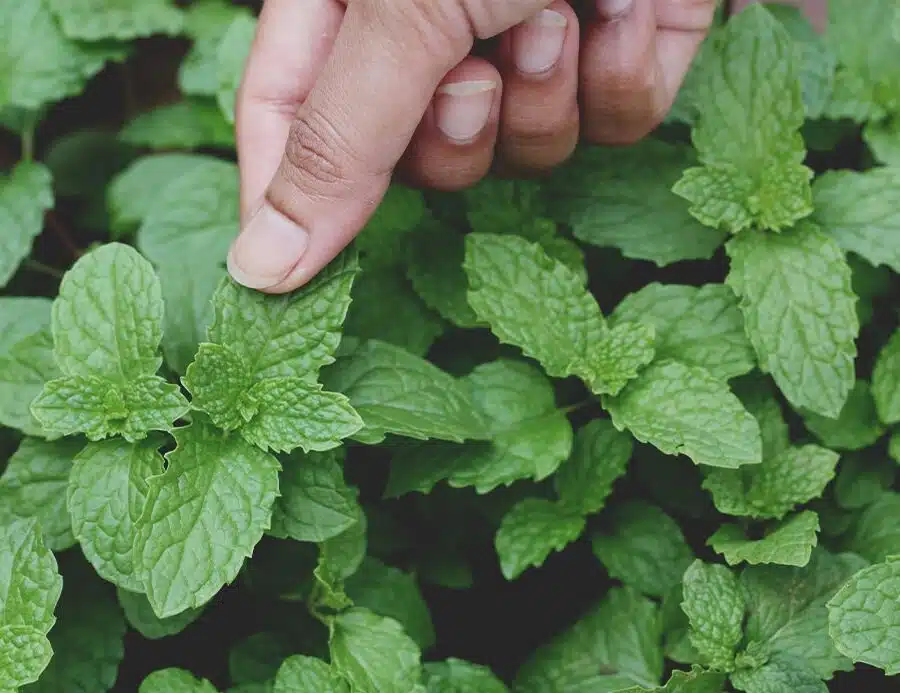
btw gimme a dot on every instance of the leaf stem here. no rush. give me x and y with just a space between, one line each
55 224
578 405
28 137
43 269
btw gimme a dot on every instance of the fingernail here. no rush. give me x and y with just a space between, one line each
462 109
537 45
613 9
266 250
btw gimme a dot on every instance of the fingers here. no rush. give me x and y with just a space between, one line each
540 120
633 61
293 40
454 145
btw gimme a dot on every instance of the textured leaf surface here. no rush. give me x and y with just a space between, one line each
715 608
172 680
140 616
531 531
886 381
855 428
301 674
25 194
789 543
458 676
90 20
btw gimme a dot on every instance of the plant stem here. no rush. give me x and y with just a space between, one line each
43 269
55 225
28 137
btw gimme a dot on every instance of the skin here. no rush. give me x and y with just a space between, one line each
341 96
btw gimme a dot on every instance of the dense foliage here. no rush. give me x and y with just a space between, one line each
629 428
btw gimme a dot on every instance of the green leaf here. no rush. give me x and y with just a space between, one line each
315 504
747 135
715 608
86 20
541 306
622 198
599 457
172 680
206 22
231 55
800 313
883 140
859 211
88 640
382 241
118 473
83 162
876 533
202 518
373 653
780 673
38 64
301 674
34 485
193 123
30 585
855 428
386 307
682 409
777 486
862 479
790 542
643 548
399 393
388 591
616 644
886 381
532 530
787 614
140 616
458 676
698 326
25 195
863 617
759 398
697 680
257 658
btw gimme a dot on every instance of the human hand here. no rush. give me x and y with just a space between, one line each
337 94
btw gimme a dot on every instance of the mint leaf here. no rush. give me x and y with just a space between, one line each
855 428
599 457
34 485
777 486
715 607
787 614
643 548
399 213
86 20
458 676
140 616
862 480
25 194
30 586
390 592
883 140
117 472
876 534
22 317
531 531
886 381
206 22
373 653
698 326
399 393
301 674
622 198
750 111
682 409
616 644
789 543
202 518
863 616
779 673
859 211
170 680
800 313
257 658
315 503
189 124
697 680
231 55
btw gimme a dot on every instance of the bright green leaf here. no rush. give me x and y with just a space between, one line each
531 531
25 195
788 543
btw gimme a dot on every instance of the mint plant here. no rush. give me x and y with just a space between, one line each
633 427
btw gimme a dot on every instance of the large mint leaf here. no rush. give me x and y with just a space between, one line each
750 111
193 123
599 457
617 644
532 530
25 194
170 680
30 585
206 22
699 326
622 198
373 653
875 534
886 381
34 485
202 518
398 393
682 409
855 428
88 20
117 472
779 673
863 616
790 542
301 674
800 313
715 608
140 616
458 676
643 548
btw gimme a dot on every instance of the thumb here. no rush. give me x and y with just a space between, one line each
358 120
